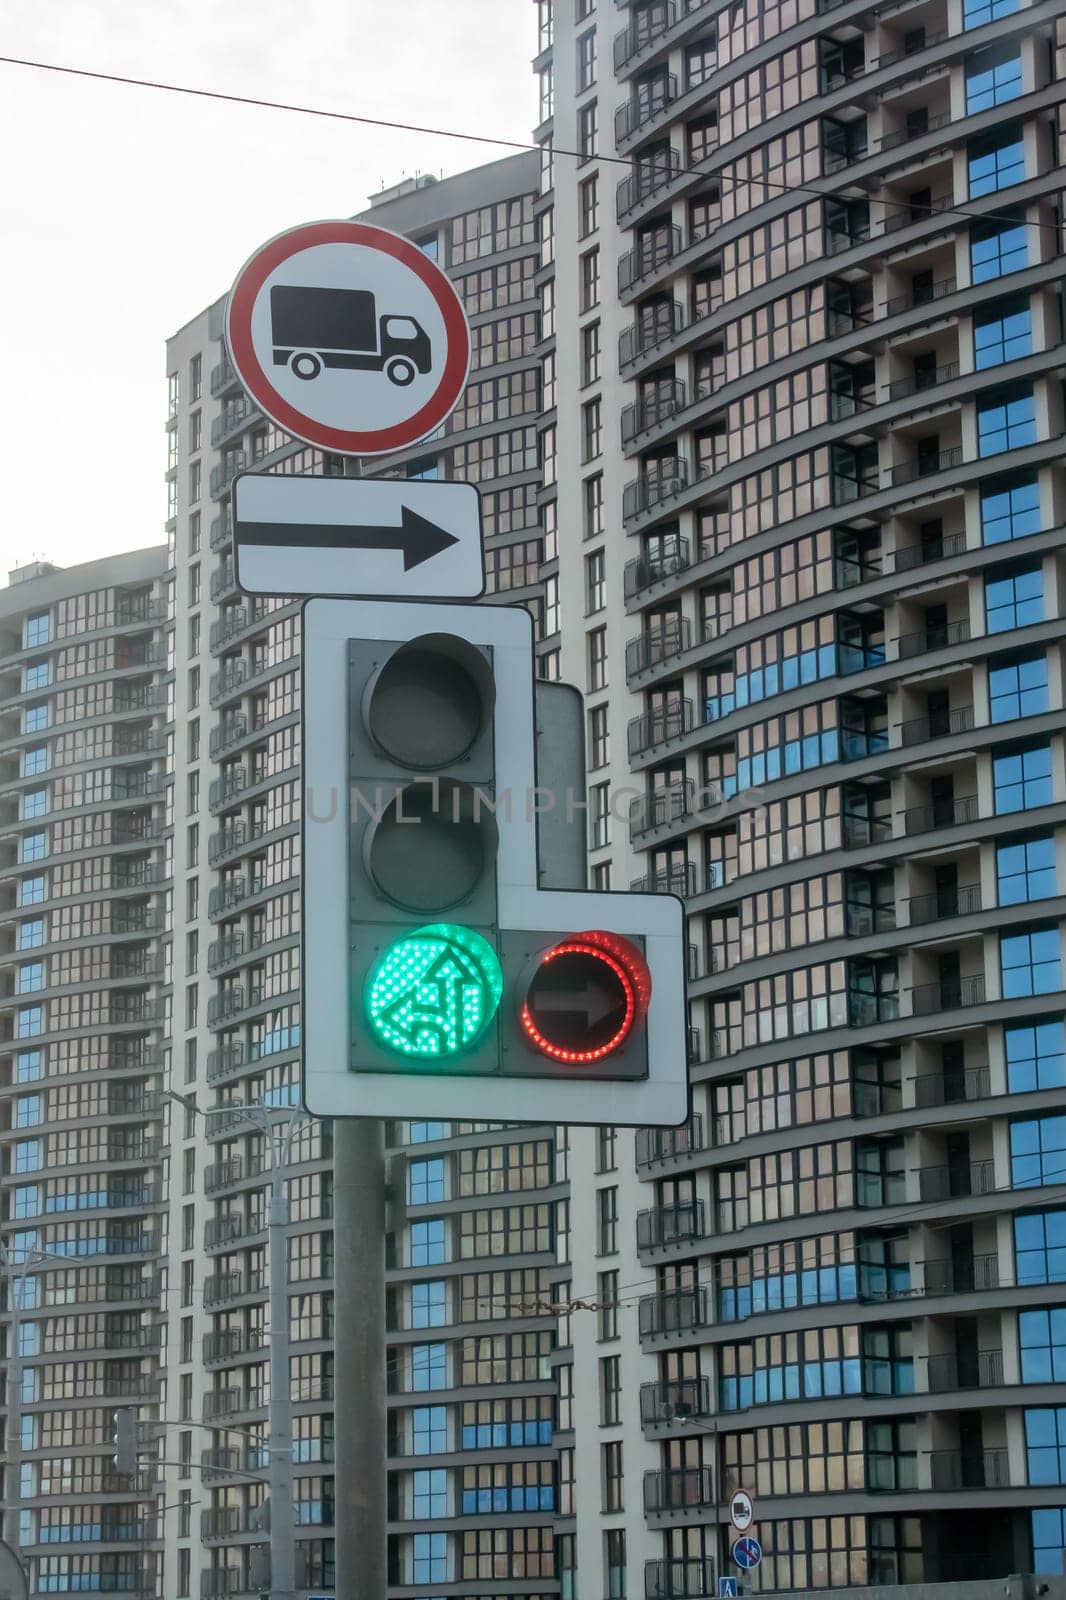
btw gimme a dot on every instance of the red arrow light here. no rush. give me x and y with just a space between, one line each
585 997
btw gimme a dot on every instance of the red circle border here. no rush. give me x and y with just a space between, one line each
238 323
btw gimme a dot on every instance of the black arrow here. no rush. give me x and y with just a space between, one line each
417 537
592 1002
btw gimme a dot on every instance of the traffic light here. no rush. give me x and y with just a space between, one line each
440 977
125 1440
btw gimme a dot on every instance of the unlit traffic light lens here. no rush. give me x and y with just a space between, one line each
432 847
585 997
429 703
434 992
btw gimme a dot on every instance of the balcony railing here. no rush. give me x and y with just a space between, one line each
902 388
949 994
926 296
647 255
660 727
925 466
644 107
937 637
673 1311
680 1489
674 1399
671 637
665 1226
938 725
646 570
965 1276
947 1373
681 880
961 901
909 556
639 36
969 1469
941 814
664 1144
668 478
956 1182
653 327
906 212
649 176
687 1578
662 402
952 1088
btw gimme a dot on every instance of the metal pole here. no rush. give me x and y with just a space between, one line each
359 1313
282 1510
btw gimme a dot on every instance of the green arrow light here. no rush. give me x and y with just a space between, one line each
434 992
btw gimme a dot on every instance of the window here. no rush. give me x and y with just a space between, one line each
196 377
34 718
600 816
597 645
996 161
993 76
1015 599
1037 1152
977 12
599 735
1049 1539
425 1182
1036 1054
429 1558
34 760
1010 509
1042 1343
31 934
592 429
429 1430
583 9
590 357
34 804
1022 779
1002 332
30 977
29 1066
429 1493
607 1295
610 1390
586 63
38 676
595 587
429 1366
1006 421
1045 1444
997 248
588 205
1018 688
593 506
588 130
551 607
1025 870
613 1497
429 1307
29 1022
29 1110
614 1556
37 630
425 1132
606 1221
590 280
195 477
1030 962
1040 1247
31 891
428 1248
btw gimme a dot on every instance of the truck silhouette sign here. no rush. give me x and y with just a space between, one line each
316 328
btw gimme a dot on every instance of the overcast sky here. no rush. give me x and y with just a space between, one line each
125 211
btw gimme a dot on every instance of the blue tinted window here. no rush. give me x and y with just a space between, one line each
29 1022
1022 779
29 1066
34 846
992 78
1002 333
424 1132
428 1306
1045 1444
1025 870
977 12
429 1557
1014 599
1030 962
1040 1247
1036 1054
1037 1152
34 761
37 630
1006 421
1018 688
996 161
1010 509
31 891
429 1492
34 718
1042 1339
39 676
791 1380
428 1243
429 1366
997 248
429 1430
426 1182
1049 1539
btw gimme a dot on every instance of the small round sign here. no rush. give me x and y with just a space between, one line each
349 337
741 1510
747 1552
585 996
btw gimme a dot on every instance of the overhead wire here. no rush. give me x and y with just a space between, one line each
633 163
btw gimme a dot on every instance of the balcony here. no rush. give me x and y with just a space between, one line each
972 1276
684 1579
649 177
223 377
674 1399
223 1286
956 1182
647 255
924 466
941 814
224 472
909 556
952 994
945 1089
671 638
640 36
938 637
680 879
947 1373
663 807
926 296
680 1489
229 733
644 107
664 1144
904 212
679 1311
969 1469
939 725
222 1062
664 401
904 388
961 901
662 1227
660 727
653 328
662 482
645 571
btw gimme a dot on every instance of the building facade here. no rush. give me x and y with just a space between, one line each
809 357
85 870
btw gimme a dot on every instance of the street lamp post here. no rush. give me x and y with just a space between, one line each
278 1126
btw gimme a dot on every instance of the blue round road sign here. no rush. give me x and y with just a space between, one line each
747 1553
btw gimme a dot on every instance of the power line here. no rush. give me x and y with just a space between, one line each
632 163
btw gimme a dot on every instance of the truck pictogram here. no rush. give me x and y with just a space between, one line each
314 328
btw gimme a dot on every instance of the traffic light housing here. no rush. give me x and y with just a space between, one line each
125 1440
440 977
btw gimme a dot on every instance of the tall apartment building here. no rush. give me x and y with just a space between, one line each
85 866
471 1250
809 382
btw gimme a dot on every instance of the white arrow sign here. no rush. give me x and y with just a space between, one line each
359 537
